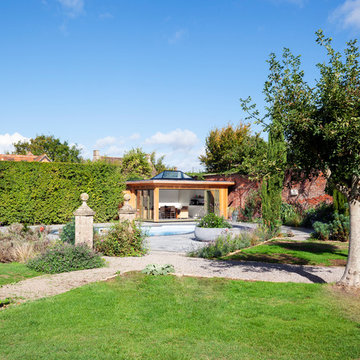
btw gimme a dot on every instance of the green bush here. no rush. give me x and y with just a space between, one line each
340 203
65 257
338 229
67 233
155 269
222 246
252 208
211 220
289 215
123 239
323 212
49 193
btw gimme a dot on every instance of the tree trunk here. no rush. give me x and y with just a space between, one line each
351 277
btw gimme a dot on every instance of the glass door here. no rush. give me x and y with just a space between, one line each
146 200
212 201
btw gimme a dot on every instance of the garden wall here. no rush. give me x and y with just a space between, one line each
307 193
49 193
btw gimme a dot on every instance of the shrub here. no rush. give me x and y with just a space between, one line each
68 232
19 243
48 193
222 246
155 269
290 215
211 220
323 212
340 203
322 230
263 233
252 208
123 239
65 257
338 229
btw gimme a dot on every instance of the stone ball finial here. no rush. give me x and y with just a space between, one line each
127 197
84 197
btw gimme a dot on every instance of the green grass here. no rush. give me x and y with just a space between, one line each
326 253
146 317
14 272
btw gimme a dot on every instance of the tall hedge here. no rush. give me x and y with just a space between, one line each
49 193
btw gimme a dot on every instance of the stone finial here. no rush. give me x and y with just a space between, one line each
84 197
84 209
127 212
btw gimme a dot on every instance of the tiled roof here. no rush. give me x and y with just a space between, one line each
29 157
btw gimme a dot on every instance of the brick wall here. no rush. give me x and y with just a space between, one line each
307 193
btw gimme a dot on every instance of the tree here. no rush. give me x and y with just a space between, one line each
52 147
159 164
232 149
322 129
272 185
136 164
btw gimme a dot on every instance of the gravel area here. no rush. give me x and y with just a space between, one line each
49 285
171 250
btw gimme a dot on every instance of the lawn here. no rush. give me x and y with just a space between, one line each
146 317
326 253
14 272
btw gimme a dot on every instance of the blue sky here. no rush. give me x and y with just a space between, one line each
157 74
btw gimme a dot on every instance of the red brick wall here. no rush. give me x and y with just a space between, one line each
309 192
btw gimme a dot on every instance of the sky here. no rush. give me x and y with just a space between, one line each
112 75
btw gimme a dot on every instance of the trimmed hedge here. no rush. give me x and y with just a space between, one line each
49 193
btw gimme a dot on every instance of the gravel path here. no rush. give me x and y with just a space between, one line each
49 285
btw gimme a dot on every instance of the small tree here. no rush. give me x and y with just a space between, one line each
322 129
272 185
55 149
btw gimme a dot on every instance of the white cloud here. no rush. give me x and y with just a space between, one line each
177 139
134 136
114 150
185 160
108 140
177 36
72 8
348 14
7 141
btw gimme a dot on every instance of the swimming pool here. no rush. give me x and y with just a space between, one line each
150 230
165 230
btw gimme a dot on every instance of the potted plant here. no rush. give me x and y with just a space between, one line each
210 227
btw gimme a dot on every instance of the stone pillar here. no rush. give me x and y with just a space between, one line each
127 212
84 220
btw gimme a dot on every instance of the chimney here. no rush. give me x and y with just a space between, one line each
96 155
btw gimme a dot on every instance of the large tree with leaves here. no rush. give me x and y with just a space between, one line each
322 129
232 148
55 149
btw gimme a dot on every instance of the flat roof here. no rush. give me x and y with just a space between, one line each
179 184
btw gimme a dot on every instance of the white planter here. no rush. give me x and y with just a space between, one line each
209 234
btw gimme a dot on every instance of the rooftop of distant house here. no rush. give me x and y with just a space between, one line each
118 160
29 157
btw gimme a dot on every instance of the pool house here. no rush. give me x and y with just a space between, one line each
175 196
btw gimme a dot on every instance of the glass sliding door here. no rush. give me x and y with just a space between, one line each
212 201
146 202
